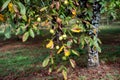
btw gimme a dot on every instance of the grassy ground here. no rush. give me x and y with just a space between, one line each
20 63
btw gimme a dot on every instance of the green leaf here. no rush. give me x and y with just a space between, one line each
82 41
96 45
5 5
43 9
24 17
72 21
27 1
69 43
18 31
7 32
60 68
64 73
22 8
74 52
52 60
46 61
98 49
72 62
31 33
25 36
99 41
75 41
50 70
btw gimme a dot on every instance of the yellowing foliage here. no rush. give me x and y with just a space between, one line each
50 45
74 12
60 49
66 52
1 18
76 30
10 7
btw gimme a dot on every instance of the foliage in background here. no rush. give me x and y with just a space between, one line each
111 9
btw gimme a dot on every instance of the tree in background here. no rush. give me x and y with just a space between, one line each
110 10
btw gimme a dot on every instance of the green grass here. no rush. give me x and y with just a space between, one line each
1 34
21 60
109 29
110 53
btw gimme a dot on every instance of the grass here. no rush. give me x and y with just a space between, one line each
26 60
20 60
110 53
110 29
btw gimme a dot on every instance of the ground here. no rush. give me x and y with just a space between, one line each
22 61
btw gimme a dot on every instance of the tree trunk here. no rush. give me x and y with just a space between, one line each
93 57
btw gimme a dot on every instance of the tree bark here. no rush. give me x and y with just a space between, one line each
93 57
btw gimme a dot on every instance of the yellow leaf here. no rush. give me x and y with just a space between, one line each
66 52
50 45
72 62
1 17
76 30
29 20
74 12
64 73
10 7
60 49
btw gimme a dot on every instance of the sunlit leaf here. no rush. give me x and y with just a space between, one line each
10 7
59 51
50 44
50 70
60 68
69 43
25 36
64 73
52 60
74 12
24 17
75 52
7 32
32 34
46 61
73 63
67 52
22 8
5 5
76 30
43 9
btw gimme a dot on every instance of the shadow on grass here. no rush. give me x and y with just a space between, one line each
21 60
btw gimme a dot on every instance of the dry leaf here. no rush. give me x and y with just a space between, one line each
57 5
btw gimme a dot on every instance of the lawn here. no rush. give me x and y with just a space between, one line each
22 61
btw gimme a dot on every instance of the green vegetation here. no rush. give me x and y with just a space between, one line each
27 60
69 23
21 60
